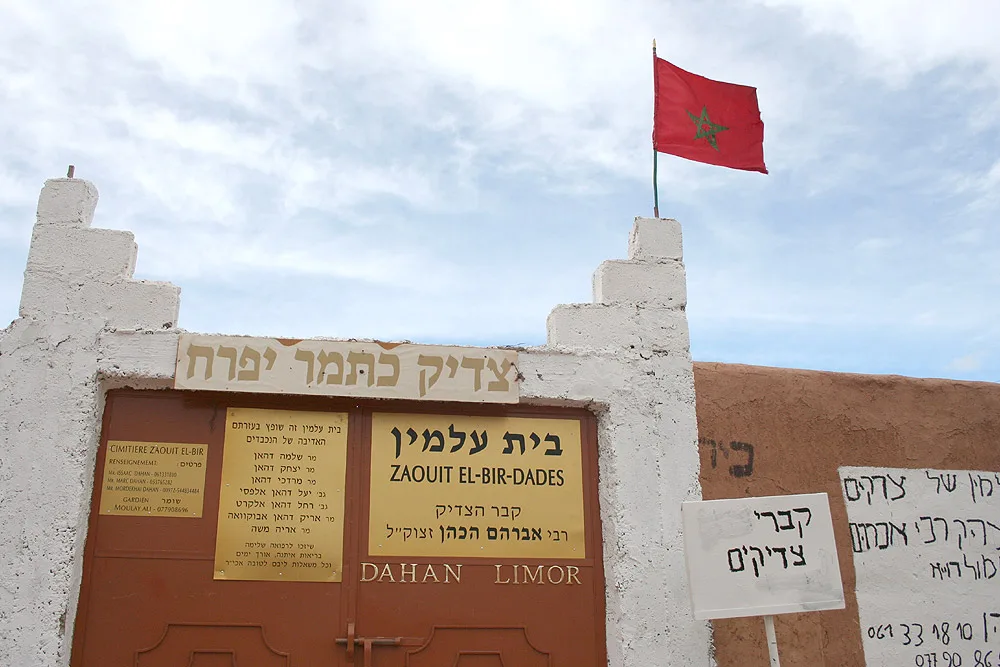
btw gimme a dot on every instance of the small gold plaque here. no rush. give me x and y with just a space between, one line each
281 506
153 479
460 486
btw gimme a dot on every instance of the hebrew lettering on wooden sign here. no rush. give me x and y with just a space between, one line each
346 368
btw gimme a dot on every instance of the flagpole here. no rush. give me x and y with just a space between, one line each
656 194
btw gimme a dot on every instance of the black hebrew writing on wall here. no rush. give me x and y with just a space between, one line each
281 504
476 486
926 548
341 368
721 451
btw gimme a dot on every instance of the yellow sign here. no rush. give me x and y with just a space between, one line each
460 486
281 507
153 479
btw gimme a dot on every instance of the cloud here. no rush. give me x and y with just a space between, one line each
981 188
902 38
199 94
874 245
966 364
447 170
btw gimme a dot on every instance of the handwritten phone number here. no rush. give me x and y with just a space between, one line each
954 659
917 635
913 634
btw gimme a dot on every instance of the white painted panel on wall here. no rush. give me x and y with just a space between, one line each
926 549
761 556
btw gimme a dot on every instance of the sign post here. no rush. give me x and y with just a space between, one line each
760 557
772 640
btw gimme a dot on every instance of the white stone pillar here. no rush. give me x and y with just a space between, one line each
628 356
77 285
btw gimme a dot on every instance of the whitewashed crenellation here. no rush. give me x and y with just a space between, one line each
86 326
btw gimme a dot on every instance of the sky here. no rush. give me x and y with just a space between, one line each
449 171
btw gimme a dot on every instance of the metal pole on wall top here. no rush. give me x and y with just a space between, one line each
656 194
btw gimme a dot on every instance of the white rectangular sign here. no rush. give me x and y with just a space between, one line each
926 549
346 368
761 556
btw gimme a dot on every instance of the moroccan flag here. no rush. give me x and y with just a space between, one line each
705 120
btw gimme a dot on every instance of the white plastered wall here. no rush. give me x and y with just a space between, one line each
86 326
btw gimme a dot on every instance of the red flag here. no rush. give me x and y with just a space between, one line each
705 120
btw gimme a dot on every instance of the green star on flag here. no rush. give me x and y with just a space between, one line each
711 130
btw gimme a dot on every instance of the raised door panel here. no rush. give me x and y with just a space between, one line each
151 593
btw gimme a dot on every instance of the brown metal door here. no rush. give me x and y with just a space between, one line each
151 595
539 603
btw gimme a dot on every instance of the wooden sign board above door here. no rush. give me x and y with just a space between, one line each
346 368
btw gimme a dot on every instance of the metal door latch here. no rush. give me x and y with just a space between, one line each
351 641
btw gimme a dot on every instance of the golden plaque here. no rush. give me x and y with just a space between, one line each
281 507
153 479
460 486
